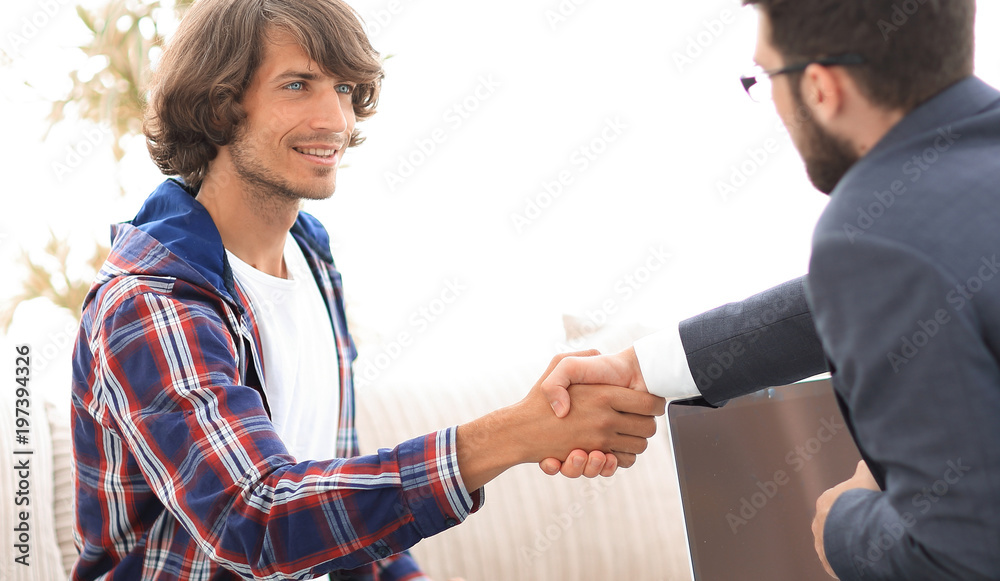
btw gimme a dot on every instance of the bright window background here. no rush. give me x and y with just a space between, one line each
634 106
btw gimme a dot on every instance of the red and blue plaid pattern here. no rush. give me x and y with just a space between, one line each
179 474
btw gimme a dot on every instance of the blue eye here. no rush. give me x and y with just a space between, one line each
345 89
296 86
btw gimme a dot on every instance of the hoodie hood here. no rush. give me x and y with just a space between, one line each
173 235
173 218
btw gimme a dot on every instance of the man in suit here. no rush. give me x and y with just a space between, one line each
902 299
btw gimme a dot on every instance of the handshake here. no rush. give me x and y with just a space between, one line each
587 415
576 371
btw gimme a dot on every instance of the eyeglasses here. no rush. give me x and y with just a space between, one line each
758 85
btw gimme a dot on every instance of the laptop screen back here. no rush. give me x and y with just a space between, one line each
750 473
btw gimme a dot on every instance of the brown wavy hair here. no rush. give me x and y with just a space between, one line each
195 96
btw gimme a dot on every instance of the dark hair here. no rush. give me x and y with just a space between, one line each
913 49
194 100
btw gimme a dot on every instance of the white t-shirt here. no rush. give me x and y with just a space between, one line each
302 376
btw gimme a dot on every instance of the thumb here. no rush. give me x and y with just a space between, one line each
863 477
555 390
558 397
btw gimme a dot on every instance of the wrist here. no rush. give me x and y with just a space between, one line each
629 365
489 445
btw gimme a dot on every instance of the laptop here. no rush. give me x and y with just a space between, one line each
749 475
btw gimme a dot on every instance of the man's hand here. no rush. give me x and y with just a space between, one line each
604 418
579 462
618 369
862 479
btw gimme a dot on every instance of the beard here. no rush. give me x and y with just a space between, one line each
266 187
827 156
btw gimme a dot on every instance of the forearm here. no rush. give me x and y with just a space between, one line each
320 516
867 539
487 447
609 419
766 340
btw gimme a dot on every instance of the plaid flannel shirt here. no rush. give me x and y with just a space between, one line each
178 471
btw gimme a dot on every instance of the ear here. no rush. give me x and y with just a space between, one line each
823 91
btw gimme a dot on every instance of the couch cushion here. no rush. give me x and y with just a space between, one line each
534 526
62 493
44 561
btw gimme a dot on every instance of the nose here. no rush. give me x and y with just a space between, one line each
334 112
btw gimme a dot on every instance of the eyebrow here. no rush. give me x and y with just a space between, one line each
292 75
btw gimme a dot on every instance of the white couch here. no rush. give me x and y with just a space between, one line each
531 527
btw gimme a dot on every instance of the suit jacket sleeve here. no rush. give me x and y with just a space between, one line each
766 340
921 384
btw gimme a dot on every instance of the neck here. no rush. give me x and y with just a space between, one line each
253 223
870 125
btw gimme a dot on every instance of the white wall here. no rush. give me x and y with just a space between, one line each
535 94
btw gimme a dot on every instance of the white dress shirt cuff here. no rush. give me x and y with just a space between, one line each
664 365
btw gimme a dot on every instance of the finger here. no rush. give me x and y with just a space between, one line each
588 370
629 444
637 402
595 464
625 460
554 391
575 464
635 425
550 466
863 477
861 473
610 466
561 356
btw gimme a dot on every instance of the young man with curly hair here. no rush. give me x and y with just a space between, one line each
212 392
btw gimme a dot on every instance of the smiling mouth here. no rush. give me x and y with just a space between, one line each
316 152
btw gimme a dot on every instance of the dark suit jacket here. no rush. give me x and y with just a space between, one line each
902 304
